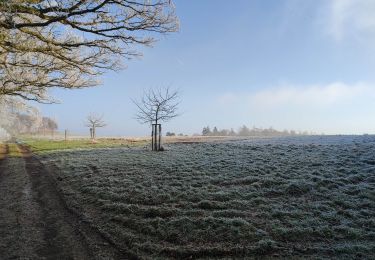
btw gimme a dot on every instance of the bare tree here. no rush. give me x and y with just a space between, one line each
94 121
48 125
46 44
17 117
157 106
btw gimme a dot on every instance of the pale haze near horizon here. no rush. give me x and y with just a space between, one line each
282 64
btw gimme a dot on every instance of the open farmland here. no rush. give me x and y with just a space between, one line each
306 197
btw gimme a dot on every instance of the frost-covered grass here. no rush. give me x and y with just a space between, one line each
45 146
303 197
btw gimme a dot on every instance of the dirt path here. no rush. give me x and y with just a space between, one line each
36 223
4 150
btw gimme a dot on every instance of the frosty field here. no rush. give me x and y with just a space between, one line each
303 196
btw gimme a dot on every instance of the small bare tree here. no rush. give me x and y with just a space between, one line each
157 106
94 121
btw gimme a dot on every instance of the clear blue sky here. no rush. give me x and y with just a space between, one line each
303 65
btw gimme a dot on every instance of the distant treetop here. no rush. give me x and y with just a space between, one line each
245 131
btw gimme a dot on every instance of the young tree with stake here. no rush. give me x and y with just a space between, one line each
157 106
94 121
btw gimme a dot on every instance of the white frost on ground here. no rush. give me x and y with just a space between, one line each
308 197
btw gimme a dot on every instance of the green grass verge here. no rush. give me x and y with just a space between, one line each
46 146
14 151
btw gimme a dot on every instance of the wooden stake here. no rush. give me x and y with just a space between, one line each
159 137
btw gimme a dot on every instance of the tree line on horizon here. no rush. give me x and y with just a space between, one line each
246 131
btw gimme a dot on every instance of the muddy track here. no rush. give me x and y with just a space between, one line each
62 237
97 240
43 219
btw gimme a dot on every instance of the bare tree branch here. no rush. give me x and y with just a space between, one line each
68 44
95 121
157 106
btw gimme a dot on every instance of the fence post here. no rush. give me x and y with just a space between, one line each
155 138
152 137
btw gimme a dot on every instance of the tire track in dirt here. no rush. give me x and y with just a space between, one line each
20 222
67 235
62 240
